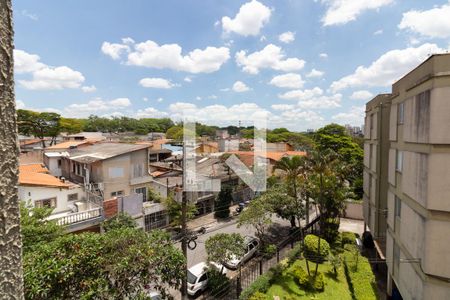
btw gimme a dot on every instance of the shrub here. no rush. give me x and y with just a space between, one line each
360 277
348 238
330 229
301 277
262 284
217 282
259 296
317 283
312 251
270 250
308 282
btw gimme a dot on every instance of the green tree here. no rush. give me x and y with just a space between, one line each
70 125
257 215
329 190
174 210
293 167
223 202
334 137
175 132
40 125
121 220
35 226
222 247
114 265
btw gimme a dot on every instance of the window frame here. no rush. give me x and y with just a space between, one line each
399 161
144 195
69 196
117 193
401 113
40 203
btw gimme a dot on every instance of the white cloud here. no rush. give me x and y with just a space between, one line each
212 97
262 38
145 99
54 78
160 99
271 57
302 94
88 89
282 106
198 98
169 56
128 41
323 55
114 50
156 83
240 87
187 79
387 68
29 15
315 74
343 11
20 104
287 37
225 89
95 106
25 62
433 23
309 119
252 16
289 80
355 116
44 77
378 32
150 112
361 95
321 102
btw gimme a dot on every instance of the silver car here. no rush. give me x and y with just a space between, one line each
251 247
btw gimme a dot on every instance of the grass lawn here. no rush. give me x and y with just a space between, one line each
335 288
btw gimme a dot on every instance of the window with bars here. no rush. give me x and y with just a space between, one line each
50 203
143 191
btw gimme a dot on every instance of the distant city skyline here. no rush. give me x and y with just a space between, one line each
303 64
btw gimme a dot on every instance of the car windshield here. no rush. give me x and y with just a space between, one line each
191 278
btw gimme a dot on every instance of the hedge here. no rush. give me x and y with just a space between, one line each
311 248
360 277
348 238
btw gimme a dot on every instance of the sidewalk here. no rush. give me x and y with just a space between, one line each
209 221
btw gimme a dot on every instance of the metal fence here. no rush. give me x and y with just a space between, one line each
252 270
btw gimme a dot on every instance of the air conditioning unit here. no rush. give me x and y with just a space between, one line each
101 187
73 208
81 206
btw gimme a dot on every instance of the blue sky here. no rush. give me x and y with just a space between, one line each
303 64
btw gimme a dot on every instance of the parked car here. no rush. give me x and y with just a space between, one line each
251 247
197 277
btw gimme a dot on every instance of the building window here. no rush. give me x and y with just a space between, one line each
398 207
50 203
74 167
401 113
59 163
155 220
72 197
371 121
138 171
116 194
399 161
143 191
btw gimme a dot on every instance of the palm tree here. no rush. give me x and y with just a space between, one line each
293 167
11 282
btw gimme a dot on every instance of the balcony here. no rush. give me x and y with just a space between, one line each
79 220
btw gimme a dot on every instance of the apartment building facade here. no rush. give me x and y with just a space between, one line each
418 181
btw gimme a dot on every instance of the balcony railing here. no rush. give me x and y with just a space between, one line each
80 216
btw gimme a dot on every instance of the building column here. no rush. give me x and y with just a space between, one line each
389 285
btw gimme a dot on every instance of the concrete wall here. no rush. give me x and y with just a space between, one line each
354 210
32 193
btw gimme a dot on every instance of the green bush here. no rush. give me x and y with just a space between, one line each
308 282
301 277
259 296
348 238
330 229
360 277
217 282
262 284
270 250
311 248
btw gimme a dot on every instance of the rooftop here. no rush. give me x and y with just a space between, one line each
35 168
101 151
40 179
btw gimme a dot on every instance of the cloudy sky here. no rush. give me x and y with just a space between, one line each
302 63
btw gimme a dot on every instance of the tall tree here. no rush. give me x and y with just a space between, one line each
11 282
223 202
40 125
292 167
222 247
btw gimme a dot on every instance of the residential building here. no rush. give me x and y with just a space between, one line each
226 145
418 172
81 136
279 147
68 200
109 170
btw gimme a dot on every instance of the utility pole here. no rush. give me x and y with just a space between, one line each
184 226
